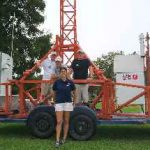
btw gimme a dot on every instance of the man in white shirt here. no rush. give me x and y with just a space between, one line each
49 68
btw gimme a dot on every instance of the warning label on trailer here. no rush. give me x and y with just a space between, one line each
129 76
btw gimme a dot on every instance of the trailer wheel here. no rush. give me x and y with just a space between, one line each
82 123
41 123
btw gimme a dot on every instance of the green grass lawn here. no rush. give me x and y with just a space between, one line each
129 137
129 109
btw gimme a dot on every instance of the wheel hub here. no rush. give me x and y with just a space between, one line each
43 124
81 127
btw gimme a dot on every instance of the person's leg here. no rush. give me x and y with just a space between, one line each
68 107
85 93
78 91
66 119
59 119
44 91
48 94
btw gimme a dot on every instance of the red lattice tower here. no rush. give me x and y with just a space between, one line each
68 29
66 46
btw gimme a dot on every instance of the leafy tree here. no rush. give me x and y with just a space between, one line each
30 43
106 63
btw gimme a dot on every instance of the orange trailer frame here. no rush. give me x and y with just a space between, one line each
67 43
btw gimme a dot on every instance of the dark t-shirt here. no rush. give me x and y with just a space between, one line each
63 90
80 68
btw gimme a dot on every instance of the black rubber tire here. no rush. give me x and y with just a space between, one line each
82 123
41 121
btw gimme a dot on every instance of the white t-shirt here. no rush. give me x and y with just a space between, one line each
49 68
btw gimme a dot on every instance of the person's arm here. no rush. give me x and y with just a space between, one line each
90 72
54 95
70 70
54 90
69 73
72 66
74 94
53 77
40 63
90 69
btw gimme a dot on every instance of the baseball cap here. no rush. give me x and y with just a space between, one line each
58 58
80 51
52 53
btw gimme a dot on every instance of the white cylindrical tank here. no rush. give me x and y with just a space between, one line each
6 66
129 69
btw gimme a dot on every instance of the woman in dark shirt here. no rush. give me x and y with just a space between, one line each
63 90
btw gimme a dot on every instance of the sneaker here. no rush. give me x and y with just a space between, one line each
57 144
62 141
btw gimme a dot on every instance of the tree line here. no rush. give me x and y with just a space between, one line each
29 42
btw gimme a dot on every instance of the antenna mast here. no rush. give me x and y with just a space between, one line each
68 26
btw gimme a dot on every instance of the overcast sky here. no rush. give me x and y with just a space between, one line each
105 25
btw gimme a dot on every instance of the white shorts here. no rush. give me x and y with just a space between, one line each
64 107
